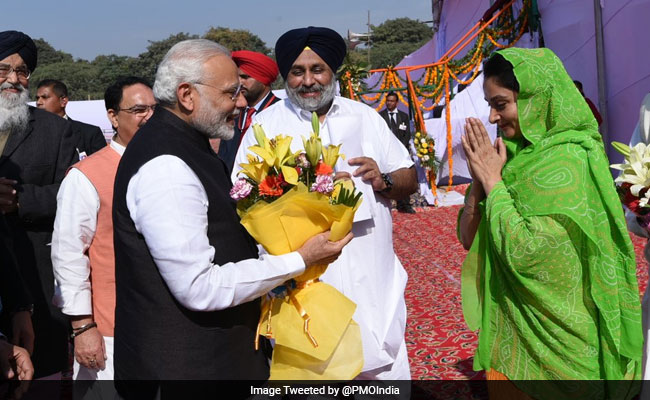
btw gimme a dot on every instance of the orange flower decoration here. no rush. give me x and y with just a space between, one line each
323 169
270 186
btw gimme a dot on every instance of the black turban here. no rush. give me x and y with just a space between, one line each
12 42
325 42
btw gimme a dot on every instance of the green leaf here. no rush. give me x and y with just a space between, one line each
621 148
315 124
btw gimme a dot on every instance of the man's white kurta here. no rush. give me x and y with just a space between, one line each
368 271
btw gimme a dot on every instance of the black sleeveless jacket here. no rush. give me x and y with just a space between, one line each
155 336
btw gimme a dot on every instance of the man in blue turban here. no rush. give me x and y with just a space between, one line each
368 271
36 149
326 43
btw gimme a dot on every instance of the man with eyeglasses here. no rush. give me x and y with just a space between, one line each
52 96
187 274
36 149
82 243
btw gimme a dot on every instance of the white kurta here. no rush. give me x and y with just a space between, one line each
74 230
368 271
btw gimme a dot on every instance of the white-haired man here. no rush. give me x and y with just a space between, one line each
188 279
368 271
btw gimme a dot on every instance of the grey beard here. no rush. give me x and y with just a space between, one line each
213 124
312 104
14 111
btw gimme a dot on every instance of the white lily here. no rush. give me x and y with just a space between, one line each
645 199
636 169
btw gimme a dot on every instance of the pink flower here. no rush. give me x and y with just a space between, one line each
324 184
301 161
240 189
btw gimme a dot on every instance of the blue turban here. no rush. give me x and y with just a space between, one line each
325 42
12 42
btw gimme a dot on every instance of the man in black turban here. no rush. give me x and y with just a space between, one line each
325 42
17 42
36 149
308 59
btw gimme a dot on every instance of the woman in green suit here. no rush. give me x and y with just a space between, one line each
550 278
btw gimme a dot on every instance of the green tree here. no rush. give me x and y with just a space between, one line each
396 38
49 55
237 39
79 76
146 64
109 68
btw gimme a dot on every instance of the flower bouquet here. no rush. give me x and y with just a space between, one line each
424 148
635 177
283 199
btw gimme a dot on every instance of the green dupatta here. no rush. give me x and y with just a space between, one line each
550 279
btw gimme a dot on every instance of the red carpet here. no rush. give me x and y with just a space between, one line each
440 344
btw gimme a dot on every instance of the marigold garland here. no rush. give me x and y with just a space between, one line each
435 83
450 159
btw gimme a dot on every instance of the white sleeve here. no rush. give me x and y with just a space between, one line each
74 230
169 205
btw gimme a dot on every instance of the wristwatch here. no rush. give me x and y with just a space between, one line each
388 181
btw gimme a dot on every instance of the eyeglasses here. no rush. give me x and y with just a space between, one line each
139 109
234 93
22 72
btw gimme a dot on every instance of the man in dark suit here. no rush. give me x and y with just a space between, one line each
15 362
398 122
16 305
256 74
36 149
52 96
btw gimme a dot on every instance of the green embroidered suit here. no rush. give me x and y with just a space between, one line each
550 279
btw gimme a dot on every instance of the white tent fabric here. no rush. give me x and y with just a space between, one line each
468 103
91 112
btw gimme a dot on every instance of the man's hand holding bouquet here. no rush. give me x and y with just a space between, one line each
283 199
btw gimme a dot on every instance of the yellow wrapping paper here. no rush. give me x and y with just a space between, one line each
328 346
289 364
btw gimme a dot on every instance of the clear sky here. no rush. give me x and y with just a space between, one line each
89 28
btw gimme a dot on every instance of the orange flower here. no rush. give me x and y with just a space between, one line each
271 186
323 169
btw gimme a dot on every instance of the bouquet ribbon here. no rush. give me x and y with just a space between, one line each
315 336
267 306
